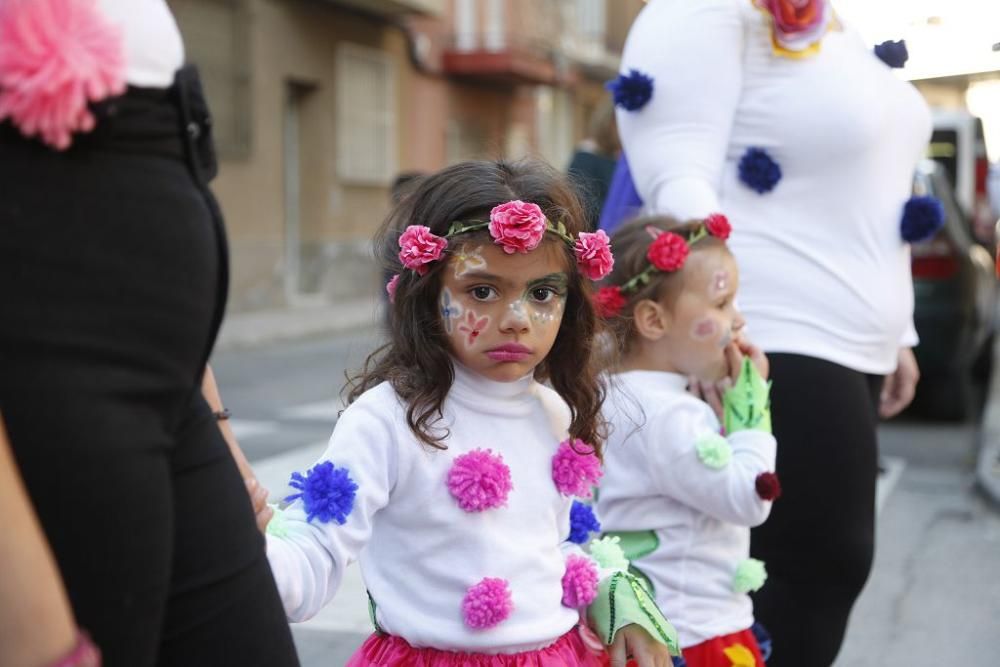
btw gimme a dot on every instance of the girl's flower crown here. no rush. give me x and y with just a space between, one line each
517 226
666 254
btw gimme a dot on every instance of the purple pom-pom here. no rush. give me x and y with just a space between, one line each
327 492
893 53
759 171
487 603
631 91
579 582
479 480
582 522
922 218
575 468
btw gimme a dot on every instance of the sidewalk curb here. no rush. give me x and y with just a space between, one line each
251 329
988 464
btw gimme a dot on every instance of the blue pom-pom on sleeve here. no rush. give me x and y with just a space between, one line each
582 522
759 171
631 91
893 53
922 218
763 638
327 492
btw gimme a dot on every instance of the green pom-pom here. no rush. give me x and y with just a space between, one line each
714 450
608 553
750 576
277 526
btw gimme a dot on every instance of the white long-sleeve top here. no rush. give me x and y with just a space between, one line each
153 47
654 480
420 552
823 268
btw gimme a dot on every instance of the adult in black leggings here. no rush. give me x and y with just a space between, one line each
826 415
113 278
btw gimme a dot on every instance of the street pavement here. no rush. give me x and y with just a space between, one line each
933 598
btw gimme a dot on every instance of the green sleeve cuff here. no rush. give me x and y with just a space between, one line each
747 405
277 526
621 600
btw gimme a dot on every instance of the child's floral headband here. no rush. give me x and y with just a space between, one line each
667 253
517 226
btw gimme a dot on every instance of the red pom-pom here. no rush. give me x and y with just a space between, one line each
718 226
767 485
668 252
609 301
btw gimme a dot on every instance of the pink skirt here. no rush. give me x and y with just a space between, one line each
390 651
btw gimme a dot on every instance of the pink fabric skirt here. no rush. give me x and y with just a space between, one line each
390 651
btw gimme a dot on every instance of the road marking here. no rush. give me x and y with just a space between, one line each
252 428
887 481
319 410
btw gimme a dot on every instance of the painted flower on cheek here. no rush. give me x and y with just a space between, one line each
450 310
517 226
473 326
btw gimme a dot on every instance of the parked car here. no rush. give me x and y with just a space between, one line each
955 304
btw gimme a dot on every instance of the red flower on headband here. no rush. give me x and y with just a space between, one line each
593 254
418 247
609 301
718 226
517 226
668 252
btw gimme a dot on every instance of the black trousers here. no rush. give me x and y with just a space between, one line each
819 541
113 277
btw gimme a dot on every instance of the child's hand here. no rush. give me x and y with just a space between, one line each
710 392
258 498
756 355
632 641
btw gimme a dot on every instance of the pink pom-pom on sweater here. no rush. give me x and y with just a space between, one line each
487 603
479 480
579 583
56 56
576 468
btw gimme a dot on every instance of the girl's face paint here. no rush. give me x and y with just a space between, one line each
450 309
511 307
703 321
468 259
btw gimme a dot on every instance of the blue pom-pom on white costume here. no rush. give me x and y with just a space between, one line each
893 53
582 522
327 492
758 170
631 91
922 218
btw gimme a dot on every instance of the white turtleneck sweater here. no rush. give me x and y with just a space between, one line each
823 268
420 552
654 480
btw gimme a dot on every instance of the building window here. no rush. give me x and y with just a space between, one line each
217 40
366 115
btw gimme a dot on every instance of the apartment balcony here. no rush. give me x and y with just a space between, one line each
395 7
500 58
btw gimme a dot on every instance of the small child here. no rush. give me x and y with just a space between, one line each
680 492
452 473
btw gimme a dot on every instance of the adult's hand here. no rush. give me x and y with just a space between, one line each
900 386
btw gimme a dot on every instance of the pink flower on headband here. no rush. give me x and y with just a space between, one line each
418 247
517 226
718 226
390 288
609 301
593 254
668 252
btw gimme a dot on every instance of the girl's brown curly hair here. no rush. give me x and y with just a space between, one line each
416 361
